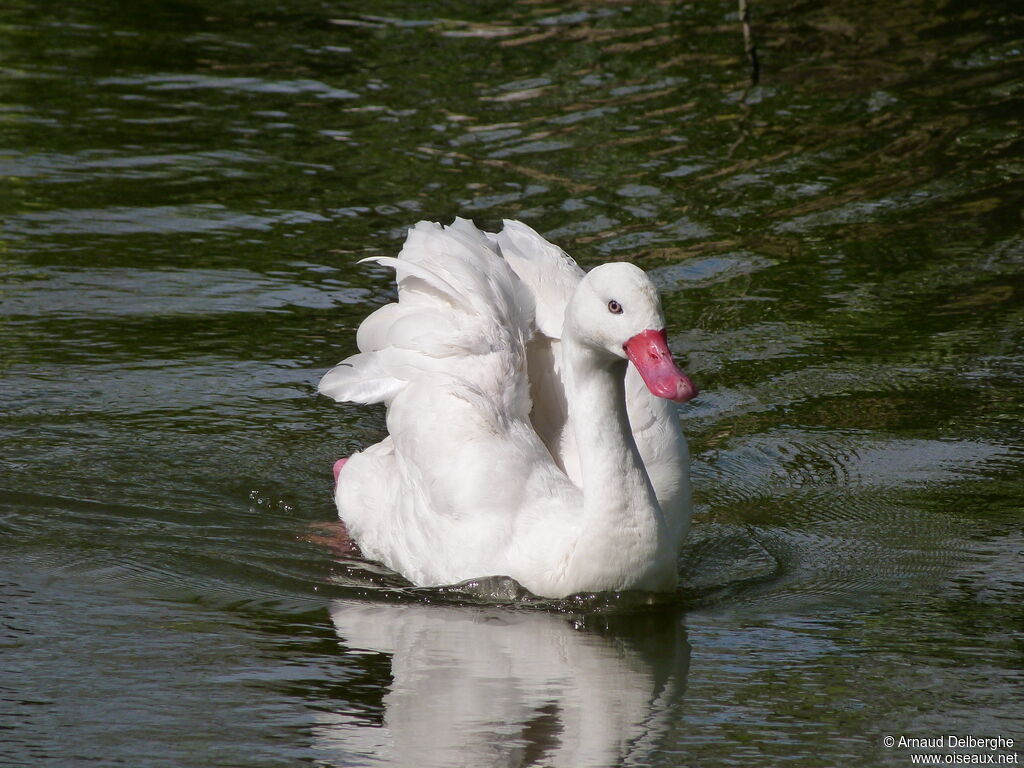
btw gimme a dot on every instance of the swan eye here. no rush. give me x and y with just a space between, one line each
614 307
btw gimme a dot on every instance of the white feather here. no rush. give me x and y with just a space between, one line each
549 272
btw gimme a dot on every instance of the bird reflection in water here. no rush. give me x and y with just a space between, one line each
495 686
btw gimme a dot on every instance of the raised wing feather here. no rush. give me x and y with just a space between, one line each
551 276
549 272
460 311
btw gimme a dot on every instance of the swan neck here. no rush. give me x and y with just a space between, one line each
613 477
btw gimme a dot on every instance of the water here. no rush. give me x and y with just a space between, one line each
185 191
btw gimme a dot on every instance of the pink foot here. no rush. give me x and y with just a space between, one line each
337 469
334 536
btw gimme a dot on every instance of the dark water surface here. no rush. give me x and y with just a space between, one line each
184 190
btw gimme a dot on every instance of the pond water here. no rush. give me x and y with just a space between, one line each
185 188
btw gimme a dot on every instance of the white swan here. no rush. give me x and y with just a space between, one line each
494 466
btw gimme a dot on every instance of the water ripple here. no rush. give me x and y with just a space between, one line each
116 292
189 81
204 217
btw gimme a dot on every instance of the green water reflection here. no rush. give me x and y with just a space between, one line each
184 190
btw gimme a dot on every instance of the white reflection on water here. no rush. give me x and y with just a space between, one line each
500 687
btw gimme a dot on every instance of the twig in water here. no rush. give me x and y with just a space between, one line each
748 44
755 74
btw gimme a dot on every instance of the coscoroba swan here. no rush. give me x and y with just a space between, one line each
512 449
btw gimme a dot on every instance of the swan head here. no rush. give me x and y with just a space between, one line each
616 311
